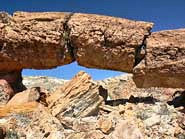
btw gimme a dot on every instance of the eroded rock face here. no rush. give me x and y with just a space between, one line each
105 42
50 39
33 40
77 98
164 64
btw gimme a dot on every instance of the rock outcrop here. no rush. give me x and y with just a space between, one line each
164 63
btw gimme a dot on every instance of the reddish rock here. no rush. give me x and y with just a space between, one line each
106 42
33 40
50 39
14 78
164 64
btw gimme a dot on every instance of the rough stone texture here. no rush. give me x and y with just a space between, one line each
29 95
164 64
105 42
33 40
77 98
26 107
6 92
14 79
48 83
136 118
47 40
122 89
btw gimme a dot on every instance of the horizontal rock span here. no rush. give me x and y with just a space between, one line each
51 39
47 40
164 64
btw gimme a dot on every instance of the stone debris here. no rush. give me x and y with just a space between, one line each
96 118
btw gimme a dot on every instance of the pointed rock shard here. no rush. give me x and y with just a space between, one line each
33 40
106 42
164 64
77 98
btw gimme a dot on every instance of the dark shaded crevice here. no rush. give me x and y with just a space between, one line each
140 52
132 99
66 37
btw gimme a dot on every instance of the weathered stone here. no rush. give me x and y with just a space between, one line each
29 95
14 79
44 125
54 38
34 40
13 109
6 92
77 98
164 64
105 42
105 125
126 130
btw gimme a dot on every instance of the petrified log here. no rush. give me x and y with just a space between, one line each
47 40
105 42
164 64
79 97
33 40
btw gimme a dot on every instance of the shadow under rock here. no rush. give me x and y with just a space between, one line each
132 99
178 99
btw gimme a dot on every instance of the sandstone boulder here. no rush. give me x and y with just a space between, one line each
29 95
164 64
105 42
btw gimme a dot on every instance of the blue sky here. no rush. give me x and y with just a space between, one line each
166 14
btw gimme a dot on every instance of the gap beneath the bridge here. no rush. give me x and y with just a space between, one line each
70 70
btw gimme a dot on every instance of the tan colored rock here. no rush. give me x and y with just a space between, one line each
29 95
6 92
44 125
126 130
105 125
33 40
164 64
105 42
77 98
13 109
54 38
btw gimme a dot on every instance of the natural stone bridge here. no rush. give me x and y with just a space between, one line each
51 39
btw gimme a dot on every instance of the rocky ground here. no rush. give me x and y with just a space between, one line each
81 108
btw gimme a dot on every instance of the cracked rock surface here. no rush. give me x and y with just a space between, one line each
50 39
105 42
164 63
33 40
